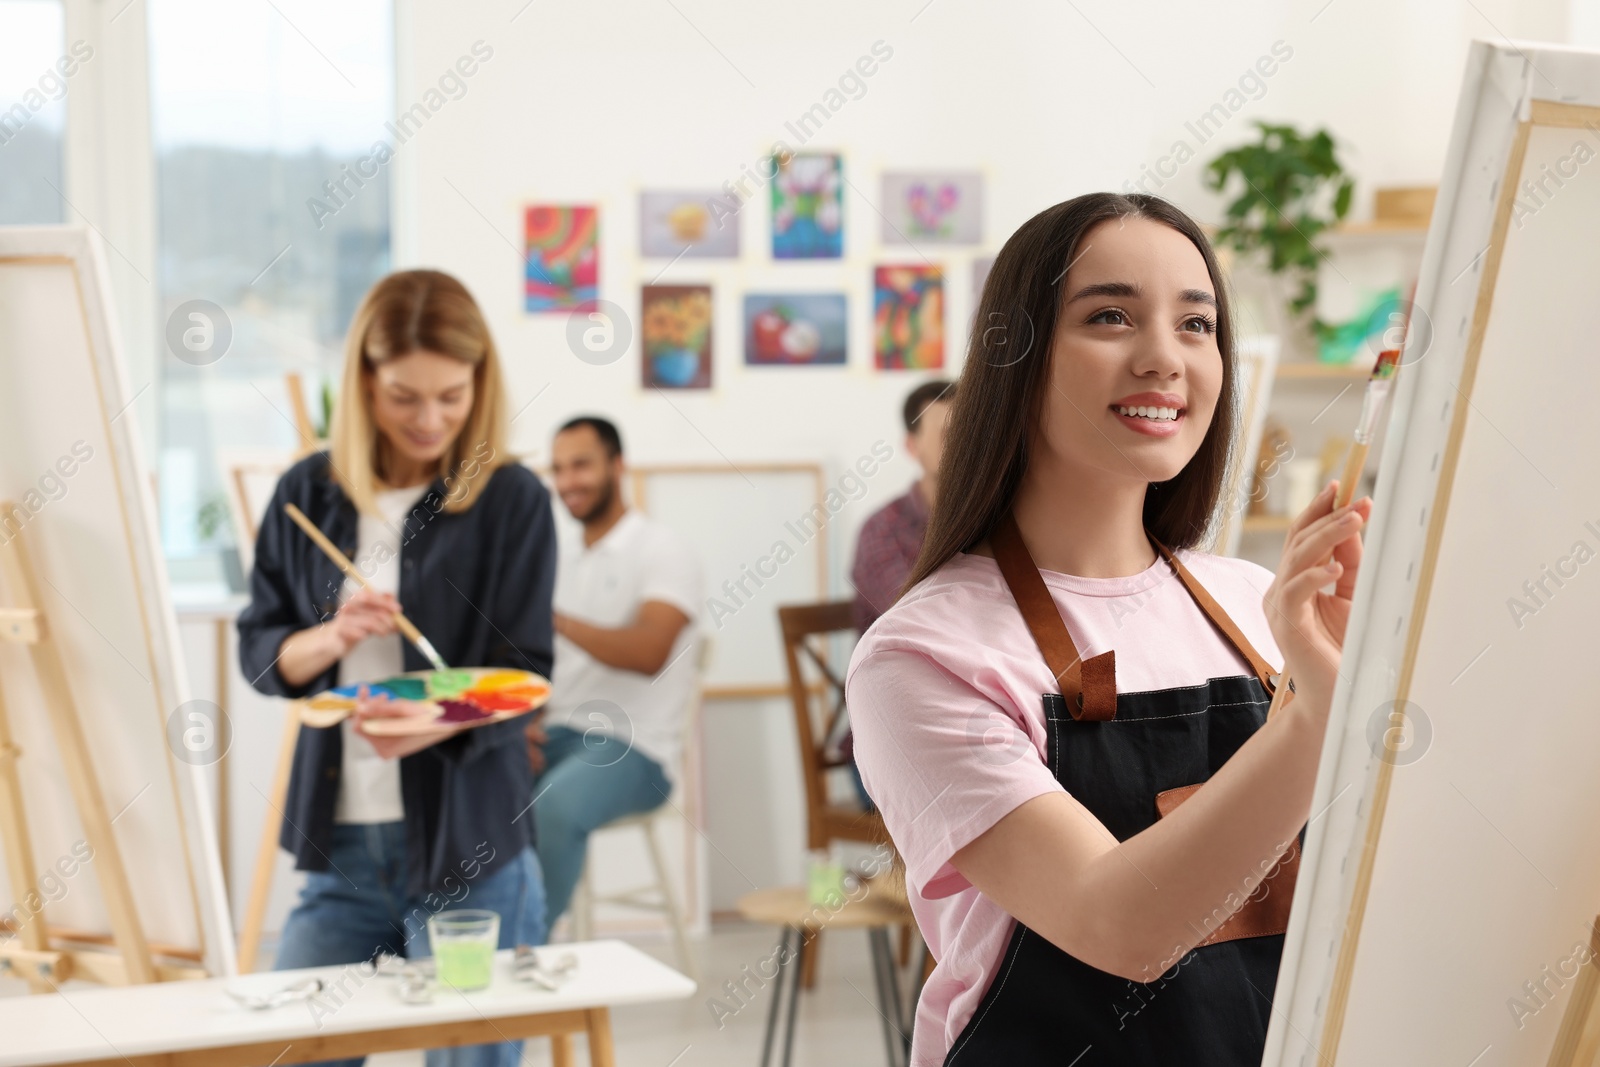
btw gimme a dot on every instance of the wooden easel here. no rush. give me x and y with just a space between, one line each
303 426
255 909
1578 1040
36 961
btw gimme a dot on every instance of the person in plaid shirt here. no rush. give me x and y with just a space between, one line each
891 538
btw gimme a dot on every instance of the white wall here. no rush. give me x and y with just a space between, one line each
590 103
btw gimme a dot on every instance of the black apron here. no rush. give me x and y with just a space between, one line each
1115 753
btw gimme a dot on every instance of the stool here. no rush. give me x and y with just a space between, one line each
791 909
657 897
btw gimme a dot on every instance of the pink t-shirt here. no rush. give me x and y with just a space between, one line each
944 698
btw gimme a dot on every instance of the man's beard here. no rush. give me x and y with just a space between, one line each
602 502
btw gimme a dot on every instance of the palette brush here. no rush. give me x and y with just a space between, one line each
406 626
1379 386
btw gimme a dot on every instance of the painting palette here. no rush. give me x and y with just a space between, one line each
464 698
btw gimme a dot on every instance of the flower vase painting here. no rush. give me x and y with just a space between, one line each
563 257
908 317
808 207
677 336
921 209
794 329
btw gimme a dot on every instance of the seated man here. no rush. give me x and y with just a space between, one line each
891 538
627 594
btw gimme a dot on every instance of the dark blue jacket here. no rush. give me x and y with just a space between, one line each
478 584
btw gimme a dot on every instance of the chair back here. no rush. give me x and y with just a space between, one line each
816 692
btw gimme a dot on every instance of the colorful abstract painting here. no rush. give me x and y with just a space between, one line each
677 336
794 329
942 208
808 207
908 317
700 224
563 251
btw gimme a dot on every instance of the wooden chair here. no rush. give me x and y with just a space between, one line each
818 713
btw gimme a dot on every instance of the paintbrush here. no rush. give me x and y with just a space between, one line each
1379 386
406 626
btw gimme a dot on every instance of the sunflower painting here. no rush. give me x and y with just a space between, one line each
563 256
677 336
908 317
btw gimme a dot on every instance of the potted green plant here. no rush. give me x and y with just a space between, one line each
1291 188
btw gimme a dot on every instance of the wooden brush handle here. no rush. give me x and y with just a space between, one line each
1353 464
331 550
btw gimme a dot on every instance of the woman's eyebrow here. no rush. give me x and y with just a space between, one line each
1130 291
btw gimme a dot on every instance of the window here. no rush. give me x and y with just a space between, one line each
35 68
253 108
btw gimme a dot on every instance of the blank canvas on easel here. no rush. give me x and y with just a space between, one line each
1451 874
69 454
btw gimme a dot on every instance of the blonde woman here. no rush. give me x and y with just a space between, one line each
419 491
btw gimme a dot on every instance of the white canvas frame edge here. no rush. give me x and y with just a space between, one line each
1495 98
83 248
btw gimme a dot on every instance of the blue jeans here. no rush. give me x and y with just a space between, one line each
360 907
588 780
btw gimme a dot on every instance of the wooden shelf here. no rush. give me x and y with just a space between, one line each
1363 228
1403 227
1266 523
1332 372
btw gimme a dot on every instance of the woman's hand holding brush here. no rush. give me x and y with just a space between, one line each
1323 545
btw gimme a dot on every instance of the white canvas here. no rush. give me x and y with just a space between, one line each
102 586
1451 873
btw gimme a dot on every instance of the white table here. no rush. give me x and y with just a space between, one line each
196 1024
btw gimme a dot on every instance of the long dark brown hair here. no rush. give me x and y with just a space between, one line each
1001 390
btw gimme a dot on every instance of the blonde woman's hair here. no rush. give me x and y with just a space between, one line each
416 311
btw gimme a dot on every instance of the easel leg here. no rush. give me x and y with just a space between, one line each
80 773
601 1051
1578 1040
224 842
18 843
255 910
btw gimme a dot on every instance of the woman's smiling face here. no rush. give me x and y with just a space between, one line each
1135 341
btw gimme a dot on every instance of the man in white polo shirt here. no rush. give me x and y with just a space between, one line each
627 597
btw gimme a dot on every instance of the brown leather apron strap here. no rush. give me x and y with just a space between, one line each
1090 690
1090 686
1219 617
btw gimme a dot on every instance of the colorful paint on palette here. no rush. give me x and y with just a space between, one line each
502 680
459 711
406 688
461 696
380 689
496 701
448 683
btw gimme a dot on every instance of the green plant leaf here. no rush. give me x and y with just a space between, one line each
1285 178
